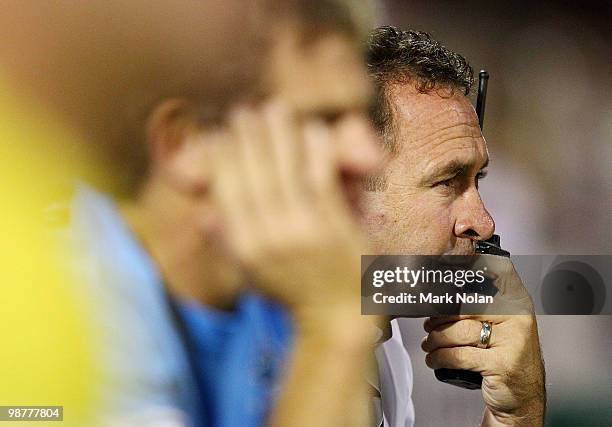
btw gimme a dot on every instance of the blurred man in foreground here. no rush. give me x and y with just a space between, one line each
227 281
426 202
181 343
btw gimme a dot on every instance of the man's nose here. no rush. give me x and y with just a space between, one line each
359 150
472 219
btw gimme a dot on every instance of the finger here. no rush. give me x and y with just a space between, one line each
323 175
469 358
285 145
502 271
228 193
462 333
434 322
320 164
257 164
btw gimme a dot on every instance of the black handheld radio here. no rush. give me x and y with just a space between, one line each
459 377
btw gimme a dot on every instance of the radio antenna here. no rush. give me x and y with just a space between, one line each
483 80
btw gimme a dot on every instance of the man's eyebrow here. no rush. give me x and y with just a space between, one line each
451 168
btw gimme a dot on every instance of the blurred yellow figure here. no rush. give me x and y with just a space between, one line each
45 357
92 67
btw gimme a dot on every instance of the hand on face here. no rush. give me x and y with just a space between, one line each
286 221
512 369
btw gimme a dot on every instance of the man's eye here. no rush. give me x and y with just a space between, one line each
479 176
446 183
331 117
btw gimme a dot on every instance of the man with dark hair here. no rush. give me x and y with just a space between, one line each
426 202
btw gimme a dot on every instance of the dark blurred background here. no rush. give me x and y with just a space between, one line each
548 125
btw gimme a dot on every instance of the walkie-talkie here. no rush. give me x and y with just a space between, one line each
460 377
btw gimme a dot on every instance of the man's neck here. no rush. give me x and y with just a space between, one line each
161 220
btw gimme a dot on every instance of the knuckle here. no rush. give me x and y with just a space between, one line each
432 360
466 331
459 355
525 323
430 341
424 343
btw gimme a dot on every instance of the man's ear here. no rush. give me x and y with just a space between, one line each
176 147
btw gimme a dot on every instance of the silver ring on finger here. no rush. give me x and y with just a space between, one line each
485 335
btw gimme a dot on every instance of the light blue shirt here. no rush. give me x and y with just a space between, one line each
222 374
240 358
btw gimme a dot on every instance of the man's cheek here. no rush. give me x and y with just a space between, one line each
416 222
445 240
436 230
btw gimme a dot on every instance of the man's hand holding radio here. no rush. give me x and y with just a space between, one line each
511 364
